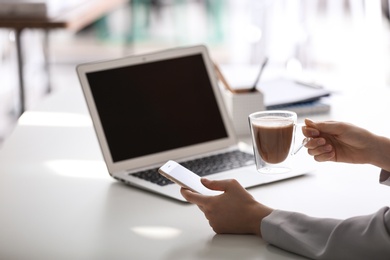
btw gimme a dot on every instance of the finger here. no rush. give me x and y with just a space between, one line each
309 130
193 197
310 122
320 150
328 127
324 157
315 142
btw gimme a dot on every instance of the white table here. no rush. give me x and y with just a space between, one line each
58 202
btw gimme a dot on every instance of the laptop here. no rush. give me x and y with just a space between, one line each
166 105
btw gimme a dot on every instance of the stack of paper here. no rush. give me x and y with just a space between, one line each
280 92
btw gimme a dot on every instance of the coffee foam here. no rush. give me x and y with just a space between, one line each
271 121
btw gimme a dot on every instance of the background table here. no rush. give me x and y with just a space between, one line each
58 202
73 18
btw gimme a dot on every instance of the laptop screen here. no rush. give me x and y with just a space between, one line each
157 106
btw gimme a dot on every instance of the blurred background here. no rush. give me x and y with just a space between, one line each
339 43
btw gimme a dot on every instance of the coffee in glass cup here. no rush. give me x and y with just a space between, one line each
273 137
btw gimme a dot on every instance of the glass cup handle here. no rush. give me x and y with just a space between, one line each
304 142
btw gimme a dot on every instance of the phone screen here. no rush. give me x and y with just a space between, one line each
185 178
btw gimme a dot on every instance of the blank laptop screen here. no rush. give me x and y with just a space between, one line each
157 106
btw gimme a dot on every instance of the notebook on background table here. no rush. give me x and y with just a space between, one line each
151 108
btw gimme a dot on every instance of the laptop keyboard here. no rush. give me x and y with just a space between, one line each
203 166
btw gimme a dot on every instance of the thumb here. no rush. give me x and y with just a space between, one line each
325 127
220 185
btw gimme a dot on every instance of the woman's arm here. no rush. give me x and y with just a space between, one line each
363 237
381 153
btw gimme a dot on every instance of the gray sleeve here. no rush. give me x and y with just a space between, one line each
363 237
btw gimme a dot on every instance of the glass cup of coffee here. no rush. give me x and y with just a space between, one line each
273 136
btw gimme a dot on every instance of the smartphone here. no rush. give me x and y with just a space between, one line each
185 178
